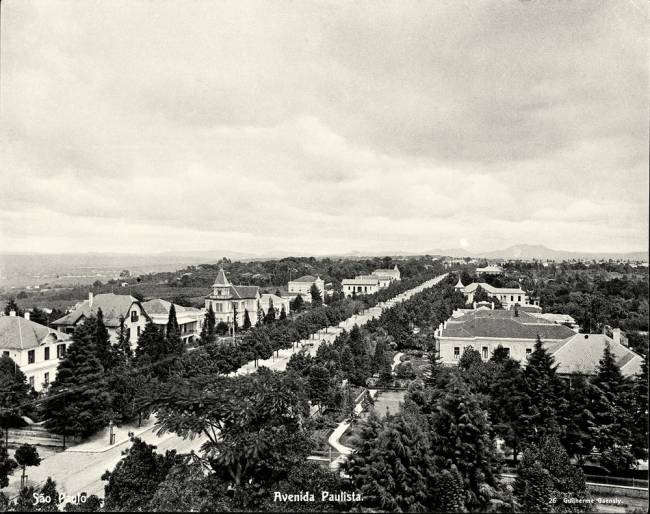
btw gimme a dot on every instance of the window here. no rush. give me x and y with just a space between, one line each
60 351
507 352
134 316
138 331
512 298
31 382
31 357
46 379
128 334
519 298
456 352
46 353
528 351
6 354
485 352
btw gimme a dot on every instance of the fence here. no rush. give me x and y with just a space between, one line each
626 482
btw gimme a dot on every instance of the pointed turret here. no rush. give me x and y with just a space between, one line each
459 285
221 280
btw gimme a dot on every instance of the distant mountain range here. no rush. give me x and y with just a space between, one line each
540 252
18 269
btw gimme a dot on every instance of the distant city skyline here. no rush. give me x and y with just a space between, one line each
323 127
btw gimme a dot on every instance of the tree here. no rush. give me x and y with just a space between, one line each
39 316
102 341
507 401
298 304
122 351
283 313
546 472
319 386
14 394
640 412
208 331
7 467
545 393
134 481
49 491
613 414
25 500
154 351
247 320
316 297
92 504
77 399
13 306
270 315
186 489
26 456
470 358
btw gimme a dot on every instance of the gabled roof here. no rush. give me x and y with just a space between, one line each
582 353
493 290
112 305
17 333
244 292
221 279
160 306
306 278
504 324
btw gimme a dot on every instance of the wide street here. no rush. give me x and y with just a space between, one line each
78 471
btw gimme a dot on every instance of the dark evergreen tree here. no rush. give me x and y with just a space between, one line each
270 315
639 416
545 394
13 306
316 297
77 400
208 331
151 352
319 386
102 341
14 395
122 351
7 467
298 304
39 316
247 320
49 491
283 313
134 481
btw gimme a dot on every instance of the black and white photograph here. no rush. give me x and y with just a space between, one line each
324 256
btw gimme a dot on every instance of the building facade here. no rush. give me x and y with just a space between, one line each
391 273
278 302
484 330
35 348
190 320
229 302
508 296
360 286
115 308
302 286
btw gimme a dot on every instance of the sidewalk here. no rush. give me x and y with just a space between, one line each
99 442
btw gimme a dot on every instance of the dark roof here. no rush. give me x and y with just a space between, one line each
113 306
17 333
242 292
504 323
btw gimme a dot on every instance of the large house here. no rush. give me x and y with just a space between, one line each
485 329
35 348
392 273
226 299
508 296
360 285
115 308
490 270
190 320
302 286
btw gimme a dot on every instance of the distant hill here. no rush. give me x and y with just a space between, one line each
540 252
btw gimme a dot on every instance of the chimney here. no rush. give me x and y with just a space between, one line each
492 305
474 305
26 315
616 335
12 313
90 299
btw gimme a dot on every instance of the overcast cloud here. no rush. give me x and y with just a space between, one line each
323 127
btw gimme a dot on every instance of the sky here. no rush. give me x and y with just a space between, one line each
319 127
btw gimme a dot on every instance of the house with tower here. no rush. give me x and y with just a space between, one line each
229 301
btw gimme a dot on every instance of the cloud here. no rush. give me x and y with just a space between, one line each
323 126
